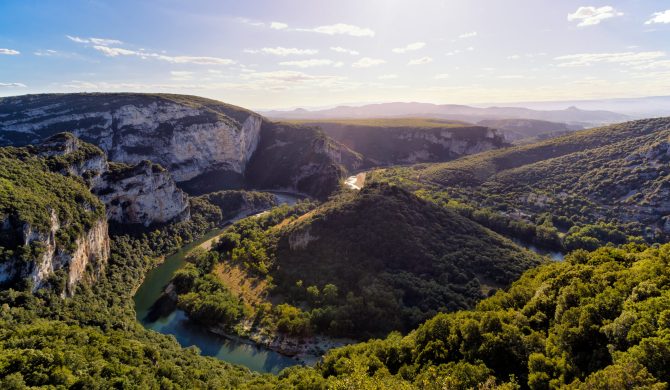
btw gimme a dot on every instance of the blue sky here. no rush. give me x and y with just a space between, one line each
278 54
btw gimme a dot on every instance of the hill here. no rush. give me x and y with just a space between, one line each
368 262
588 188
391 141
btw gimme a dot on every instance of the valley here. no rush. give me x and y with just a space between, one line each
325 250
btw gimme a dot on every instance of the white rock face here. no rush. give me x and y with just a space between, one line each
144 194
188 140
91 248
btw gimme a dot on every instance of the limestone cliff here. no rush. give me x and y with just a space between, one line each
143 194
53 231
300 158
390 142
189 136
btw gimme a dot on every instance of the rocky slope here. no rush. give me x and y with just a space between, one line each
410 140
53 231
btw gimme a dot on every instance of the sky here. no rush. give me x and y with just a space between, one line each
317 53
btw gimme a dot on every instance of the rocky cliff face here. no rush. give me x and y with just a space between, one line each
388 145
89 251
143 194
300 158
189 136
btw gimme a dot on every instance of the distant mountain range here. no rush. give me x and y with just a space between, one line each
571 115
644 107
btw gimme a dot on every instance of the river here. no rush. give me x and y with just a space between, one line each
189 334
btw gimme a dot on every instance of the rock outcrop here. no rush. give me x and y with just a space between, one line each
143 194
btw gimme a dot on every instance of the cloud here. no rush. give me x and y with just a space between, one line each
9 52
421 61
250 22
46 53
410 47
278 26
12 85
367 62
282 51
441 76
339 49
181 75
388 76
511 77
117 51
95 41
341 29
591 16
307 63
471 34
288 79
659 17
625 58
513 57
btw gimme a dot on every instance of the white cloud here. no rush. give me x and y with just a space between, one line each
339 49
181 75
388 76
46 53
341 29
95 41
12 85
117 51
513 57
367 62
420 61
442 76
625 58
471 34
453 52
659 17
278 26
307 63
591 16
250 22
511 77
410 47
9 52
282 51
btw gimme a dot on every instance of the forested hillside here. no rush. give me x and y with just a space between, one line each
578 191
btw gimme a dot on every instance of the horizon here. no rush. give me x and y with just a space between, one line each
265 56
